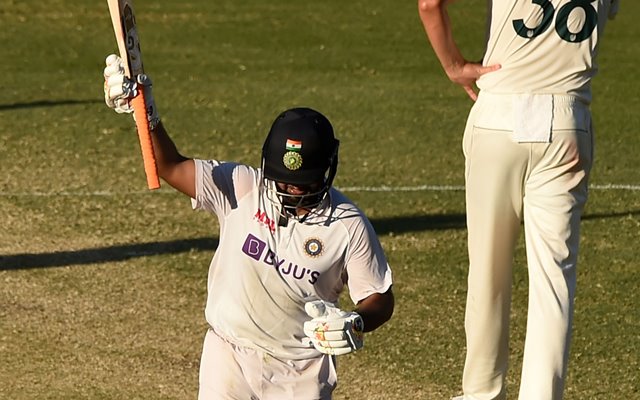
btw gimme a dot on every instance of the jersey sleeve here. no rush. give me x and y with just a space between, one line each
220 185
368 271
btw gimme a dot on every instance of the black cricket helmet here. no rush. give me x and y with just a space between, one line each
301 150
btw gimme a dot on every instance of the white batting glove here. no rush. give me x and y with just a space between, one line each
119 90
332 330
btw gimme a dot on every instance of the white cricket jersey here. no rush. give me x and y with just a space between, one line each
544 46
262 274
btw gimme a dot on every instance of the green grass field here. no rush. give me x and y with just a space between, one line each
102 283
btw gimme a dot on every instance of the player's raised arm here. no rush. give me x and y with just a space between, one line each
176 169
437 26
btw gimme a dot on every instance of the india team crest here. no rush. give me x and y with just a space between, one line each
313 247
292 160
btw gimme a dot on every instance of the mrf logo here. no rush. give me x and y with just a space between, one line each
261 217
257 249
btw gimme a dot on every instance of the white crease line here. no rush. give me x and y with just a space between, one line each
611 186
384 188
445 188
421 188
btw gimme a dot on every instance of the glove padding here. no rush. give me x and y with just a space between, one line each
332 330
119 90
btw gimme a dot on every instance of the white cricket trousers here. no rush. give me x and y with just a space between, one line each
231 372
543 186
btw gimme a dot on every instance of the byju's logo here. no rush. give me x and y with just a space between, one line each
255 248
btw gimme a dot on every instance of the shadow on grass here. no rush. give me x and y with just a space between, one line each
104 254
418 223
383 226
634 213
46 103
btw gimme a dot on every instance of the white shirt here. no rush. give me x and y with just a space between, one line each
552 55
262 274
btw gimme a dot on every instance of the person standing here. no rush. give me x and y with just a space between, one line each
528 147
289 244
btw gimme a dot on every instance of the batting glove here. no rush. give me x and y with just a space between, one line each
119 90
332 330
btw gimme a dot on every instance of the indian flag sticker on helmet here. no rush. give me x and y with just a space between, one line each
294 145
292 160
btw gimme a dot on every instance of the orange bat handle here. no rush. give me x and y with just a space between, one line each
146 145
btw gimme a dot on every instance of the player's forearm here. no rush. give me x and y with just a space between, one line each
176 169
376 309
165 150
437 26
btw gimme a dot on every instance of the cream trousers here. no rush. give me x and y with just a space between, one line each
544 187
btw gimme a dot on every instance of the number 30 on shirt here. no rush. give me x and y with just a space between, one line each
562 18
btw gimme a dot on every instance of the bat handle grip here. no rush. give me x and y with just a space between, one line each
146 144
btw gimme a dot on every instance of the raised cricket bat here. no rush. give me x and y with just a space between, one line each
124 26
